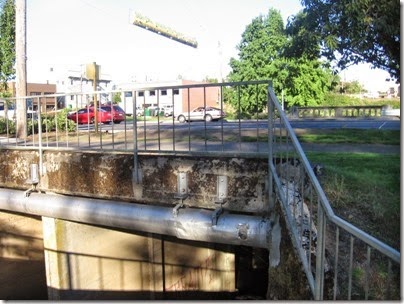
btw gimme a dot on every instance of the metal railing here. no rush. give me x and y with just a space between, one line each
340 260
240 132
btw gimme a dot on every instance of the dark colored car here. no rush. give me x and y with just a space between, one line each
87 115
118 113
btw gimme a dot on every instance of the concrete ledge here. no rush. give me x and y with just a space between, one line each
112 176
391 112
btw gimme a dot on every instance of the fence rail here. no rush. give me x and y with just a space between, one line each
340 260
153 133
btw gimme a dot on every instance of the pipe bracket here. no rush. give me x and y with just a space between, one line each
182 186
216 214
221 189
177 207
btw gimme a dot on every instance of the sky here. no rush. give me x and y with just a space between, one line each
65 35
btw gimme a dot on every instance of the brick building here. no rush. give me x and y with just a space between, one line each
38 89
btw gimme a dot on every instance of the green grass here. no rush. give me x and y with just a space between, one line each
333 136
350 136
364 188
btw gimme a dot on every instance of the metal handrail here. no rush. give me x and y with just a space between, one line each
316 283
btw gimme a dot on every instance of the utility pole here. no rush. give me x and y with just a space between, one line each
21 67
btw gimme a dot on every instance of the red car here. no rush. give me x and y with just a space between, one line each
87 115
117 112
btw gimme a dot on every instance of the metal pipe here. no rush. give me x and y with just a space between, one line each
189 223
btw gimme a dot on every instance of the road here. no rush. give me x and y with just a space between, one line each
380 124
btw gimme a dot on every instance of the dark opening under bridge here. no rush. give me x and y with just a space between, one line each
146 212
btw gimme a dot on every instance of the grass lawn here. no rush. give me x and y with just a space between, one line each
364 189
347 136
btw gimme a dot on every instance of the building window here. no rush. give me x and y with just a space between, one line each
176 91
128 94
140 94
35 93
163 92
152 93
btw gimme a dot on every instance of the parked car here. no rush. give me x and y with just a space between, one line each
87 115
168 110
118 113
201 113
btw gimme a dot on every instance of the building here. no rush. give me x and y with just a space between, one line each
77 89
38 89
170 94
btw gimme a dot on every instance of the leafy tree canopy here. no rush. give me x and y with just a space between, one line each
265 53
7 42
350 32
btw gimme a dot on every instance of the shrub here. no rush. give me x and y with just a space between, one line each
7 123
336 100
63 123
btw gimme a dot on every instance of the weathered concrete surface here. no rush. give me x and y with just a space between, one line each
110 176
88 262
22 264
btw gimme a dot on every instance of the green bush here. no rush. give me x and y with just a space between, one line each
63 123
4 123
338 100
48 124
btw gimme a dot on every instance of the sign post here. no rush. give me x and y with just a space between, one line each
93 72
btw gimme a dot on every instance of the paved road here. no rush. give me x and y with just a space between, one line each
376 123
384 124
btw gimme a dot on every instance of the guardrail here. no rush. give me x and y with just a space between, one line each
333 252
344 111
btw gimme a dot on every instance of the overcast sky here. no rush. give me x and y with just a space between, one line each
64 35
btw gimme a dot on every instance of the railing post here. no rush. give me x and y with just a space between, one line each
320 254
270 147
40 148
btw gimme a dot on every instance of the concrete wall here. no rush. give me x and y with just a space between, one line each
110 176
22 262
61 260
87 262
99 263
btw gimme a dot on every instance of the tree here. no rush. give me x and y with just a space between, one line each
349 87
356 31
264 53
7 43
